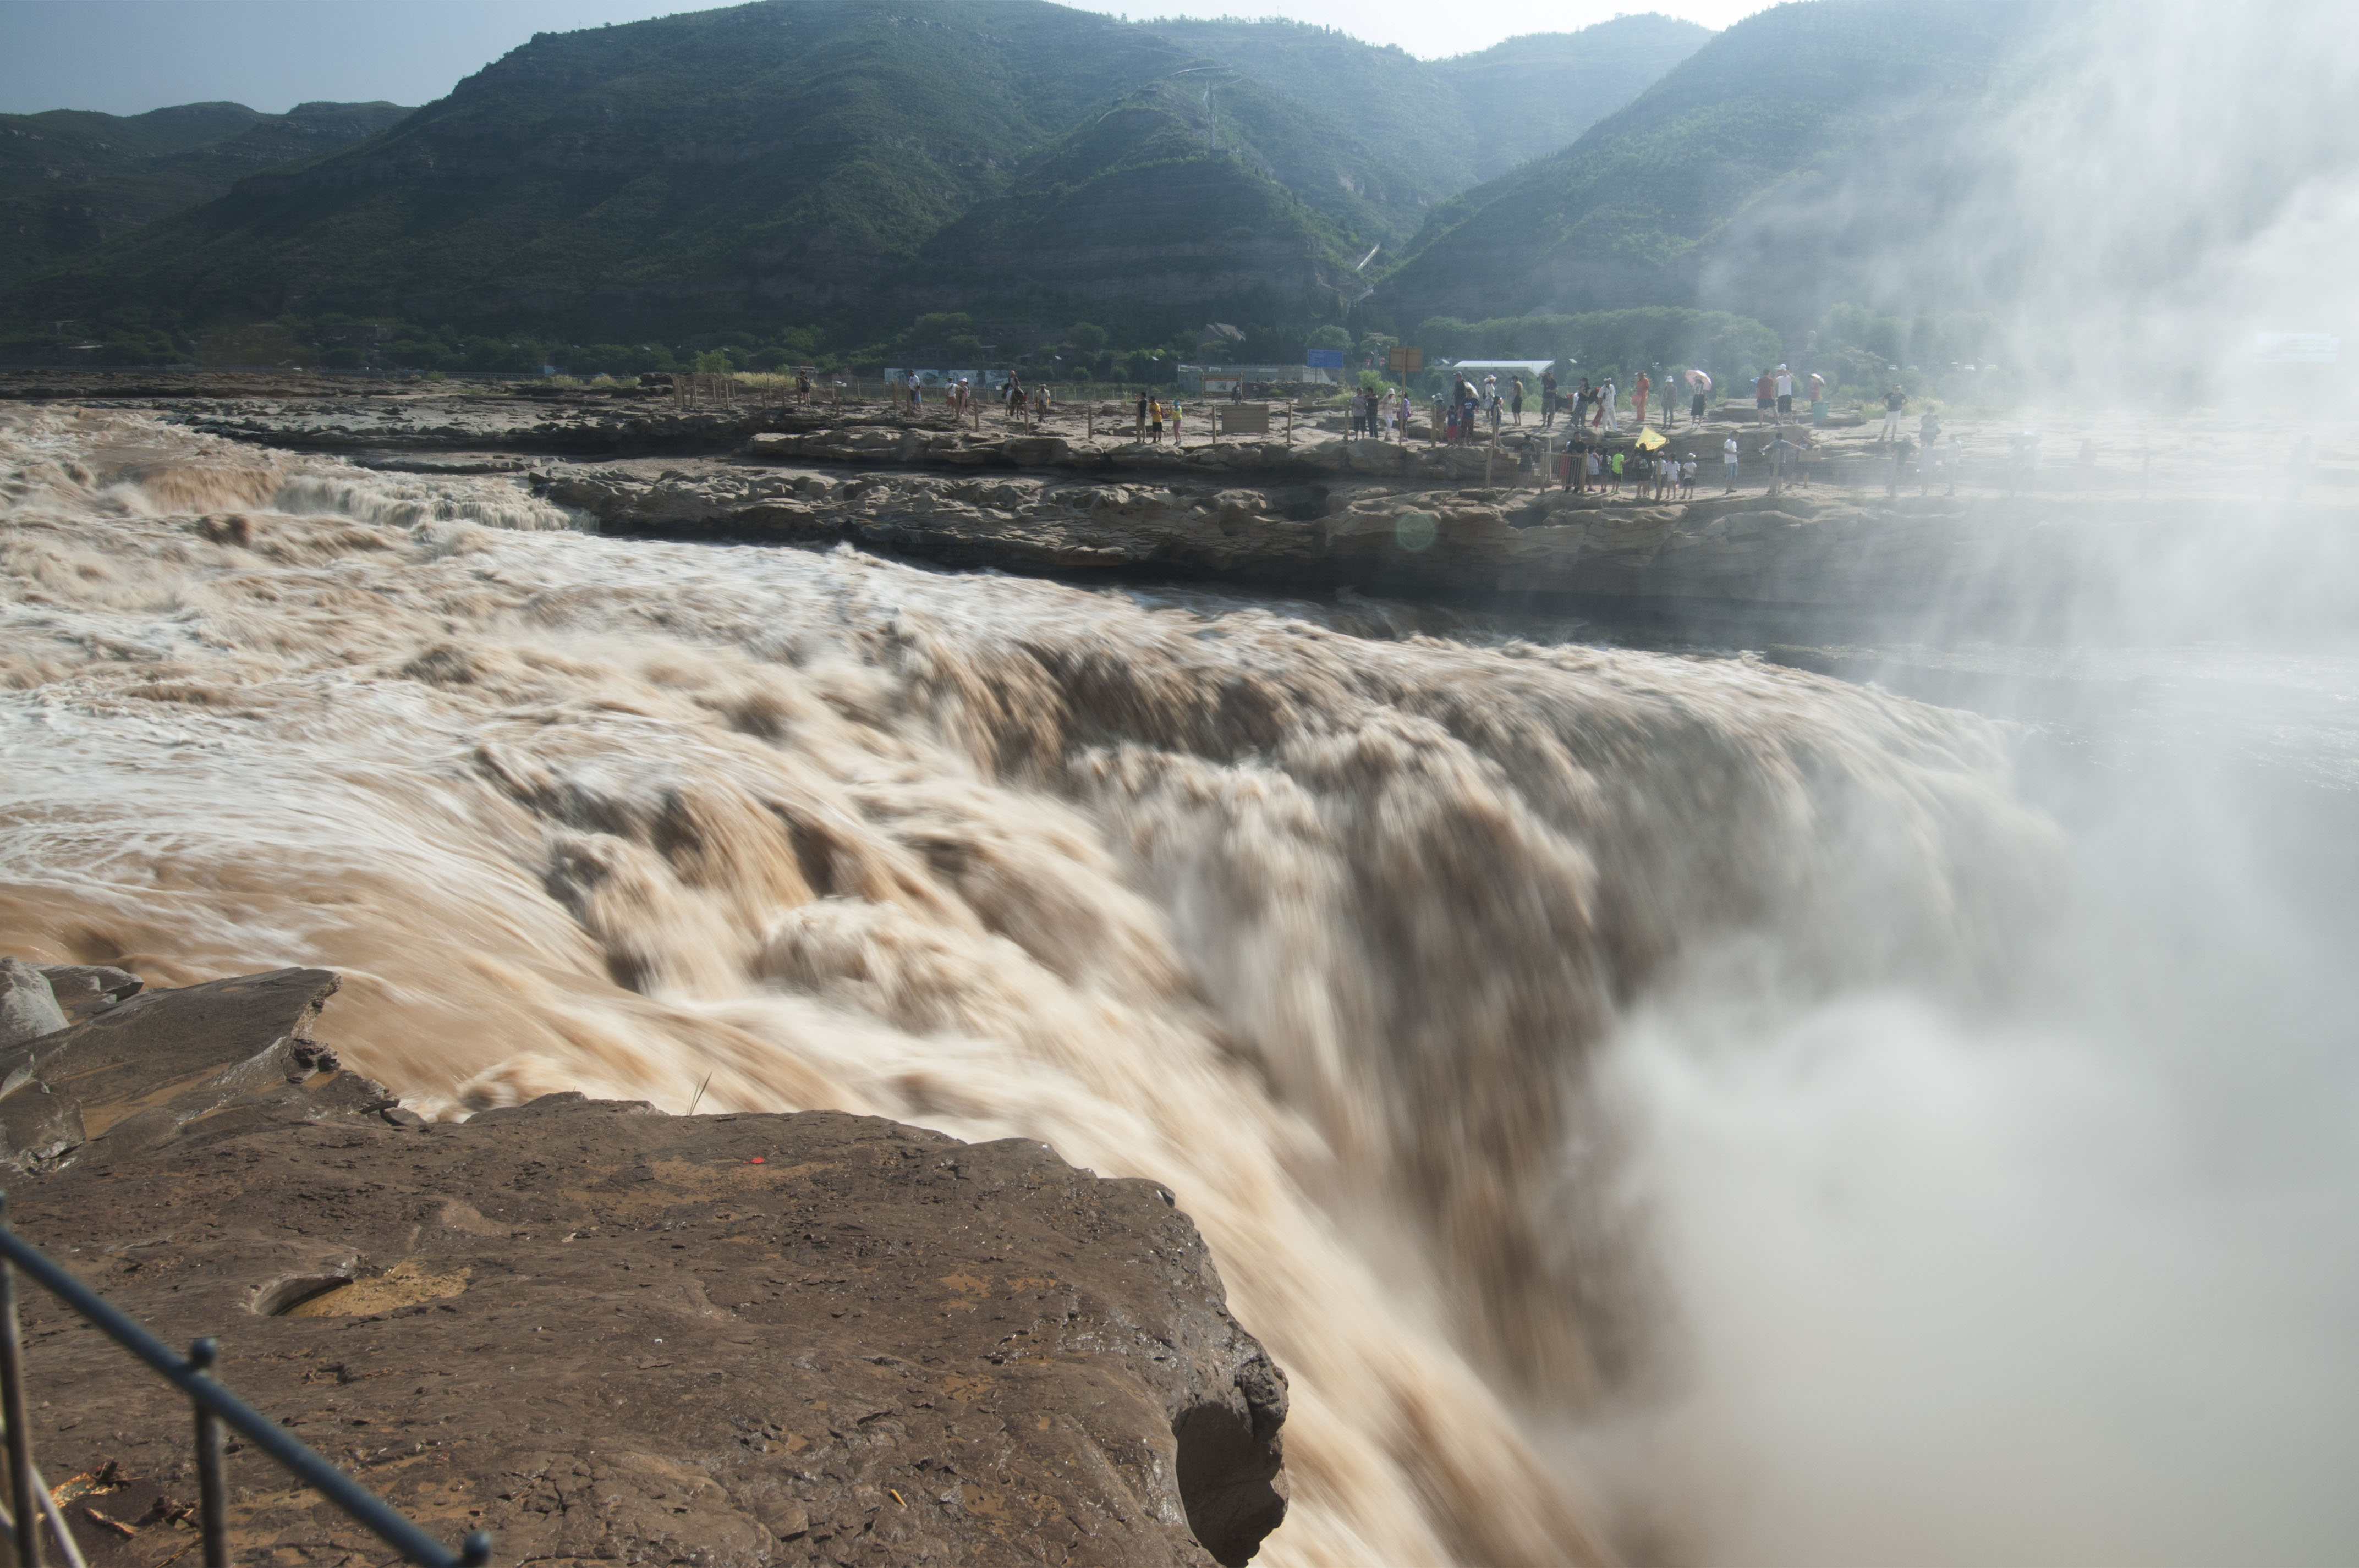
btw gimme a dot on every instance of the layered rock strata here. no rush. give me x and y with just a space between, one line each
1368 515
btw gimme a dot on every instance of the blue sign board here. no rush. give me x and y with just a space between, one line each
1325 359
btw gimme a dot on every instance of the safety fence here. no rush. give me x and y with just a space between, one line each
215 1408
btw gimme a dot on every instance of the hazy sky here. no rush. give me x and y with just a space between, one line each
124 56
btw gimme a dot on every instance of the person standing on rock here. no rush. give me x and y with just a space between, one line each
1519 400
1688 478
1155 419
1728 454
1609 407
1547 398
1639 391
1764 396
1785 394
1894 402
1698 389
1140 433
1818 398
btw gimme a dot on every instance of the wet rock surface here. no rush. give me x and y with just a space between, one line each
1330 515
607 1334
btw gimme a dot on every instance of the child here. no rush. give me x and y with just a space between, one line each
1155 418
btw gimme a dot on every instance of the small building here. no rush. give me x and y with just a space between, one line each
1220 381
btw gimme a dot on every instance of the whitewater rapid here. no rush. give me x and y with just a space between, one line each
1331 934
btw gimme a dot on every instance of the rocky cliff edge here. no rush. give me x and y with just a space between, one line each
606 1334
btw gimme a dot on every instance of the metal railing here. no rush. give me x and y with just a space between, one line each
214 1406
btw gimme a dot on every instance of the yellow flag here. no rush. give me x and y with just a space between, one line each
1650 438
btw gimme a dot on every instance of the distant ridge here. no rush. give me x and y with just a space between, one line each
72 180
1707 188
806 160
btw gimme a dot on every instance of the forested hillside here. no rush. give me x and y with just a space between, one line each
70 180
1761 175
839 167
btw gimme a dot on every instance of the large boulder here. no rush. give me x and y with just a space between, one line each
27 1003
29 1008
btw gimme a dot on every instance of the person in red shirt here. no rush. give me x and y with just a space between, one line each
1765 395
1638 396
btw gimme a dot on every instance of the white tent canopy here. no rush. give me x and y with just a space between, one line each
1499 367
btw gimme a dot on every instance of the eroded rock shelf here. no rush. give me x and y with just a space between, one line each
606 1334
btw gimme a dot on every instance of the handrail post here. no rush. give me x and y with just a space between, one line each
215 1406
213 1490
22 1488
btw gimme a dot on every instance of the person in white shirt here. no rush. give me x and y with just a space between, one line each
1609 398
1728 450
1785 394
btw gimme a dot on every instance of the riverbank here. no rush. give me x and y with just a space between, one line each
1075 497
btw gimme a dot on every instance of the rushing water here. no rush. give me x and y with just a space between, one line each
1665 1109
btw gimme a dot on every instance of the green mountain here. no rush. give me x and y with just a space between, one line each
825 161
1443 125
1770 173
72 180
